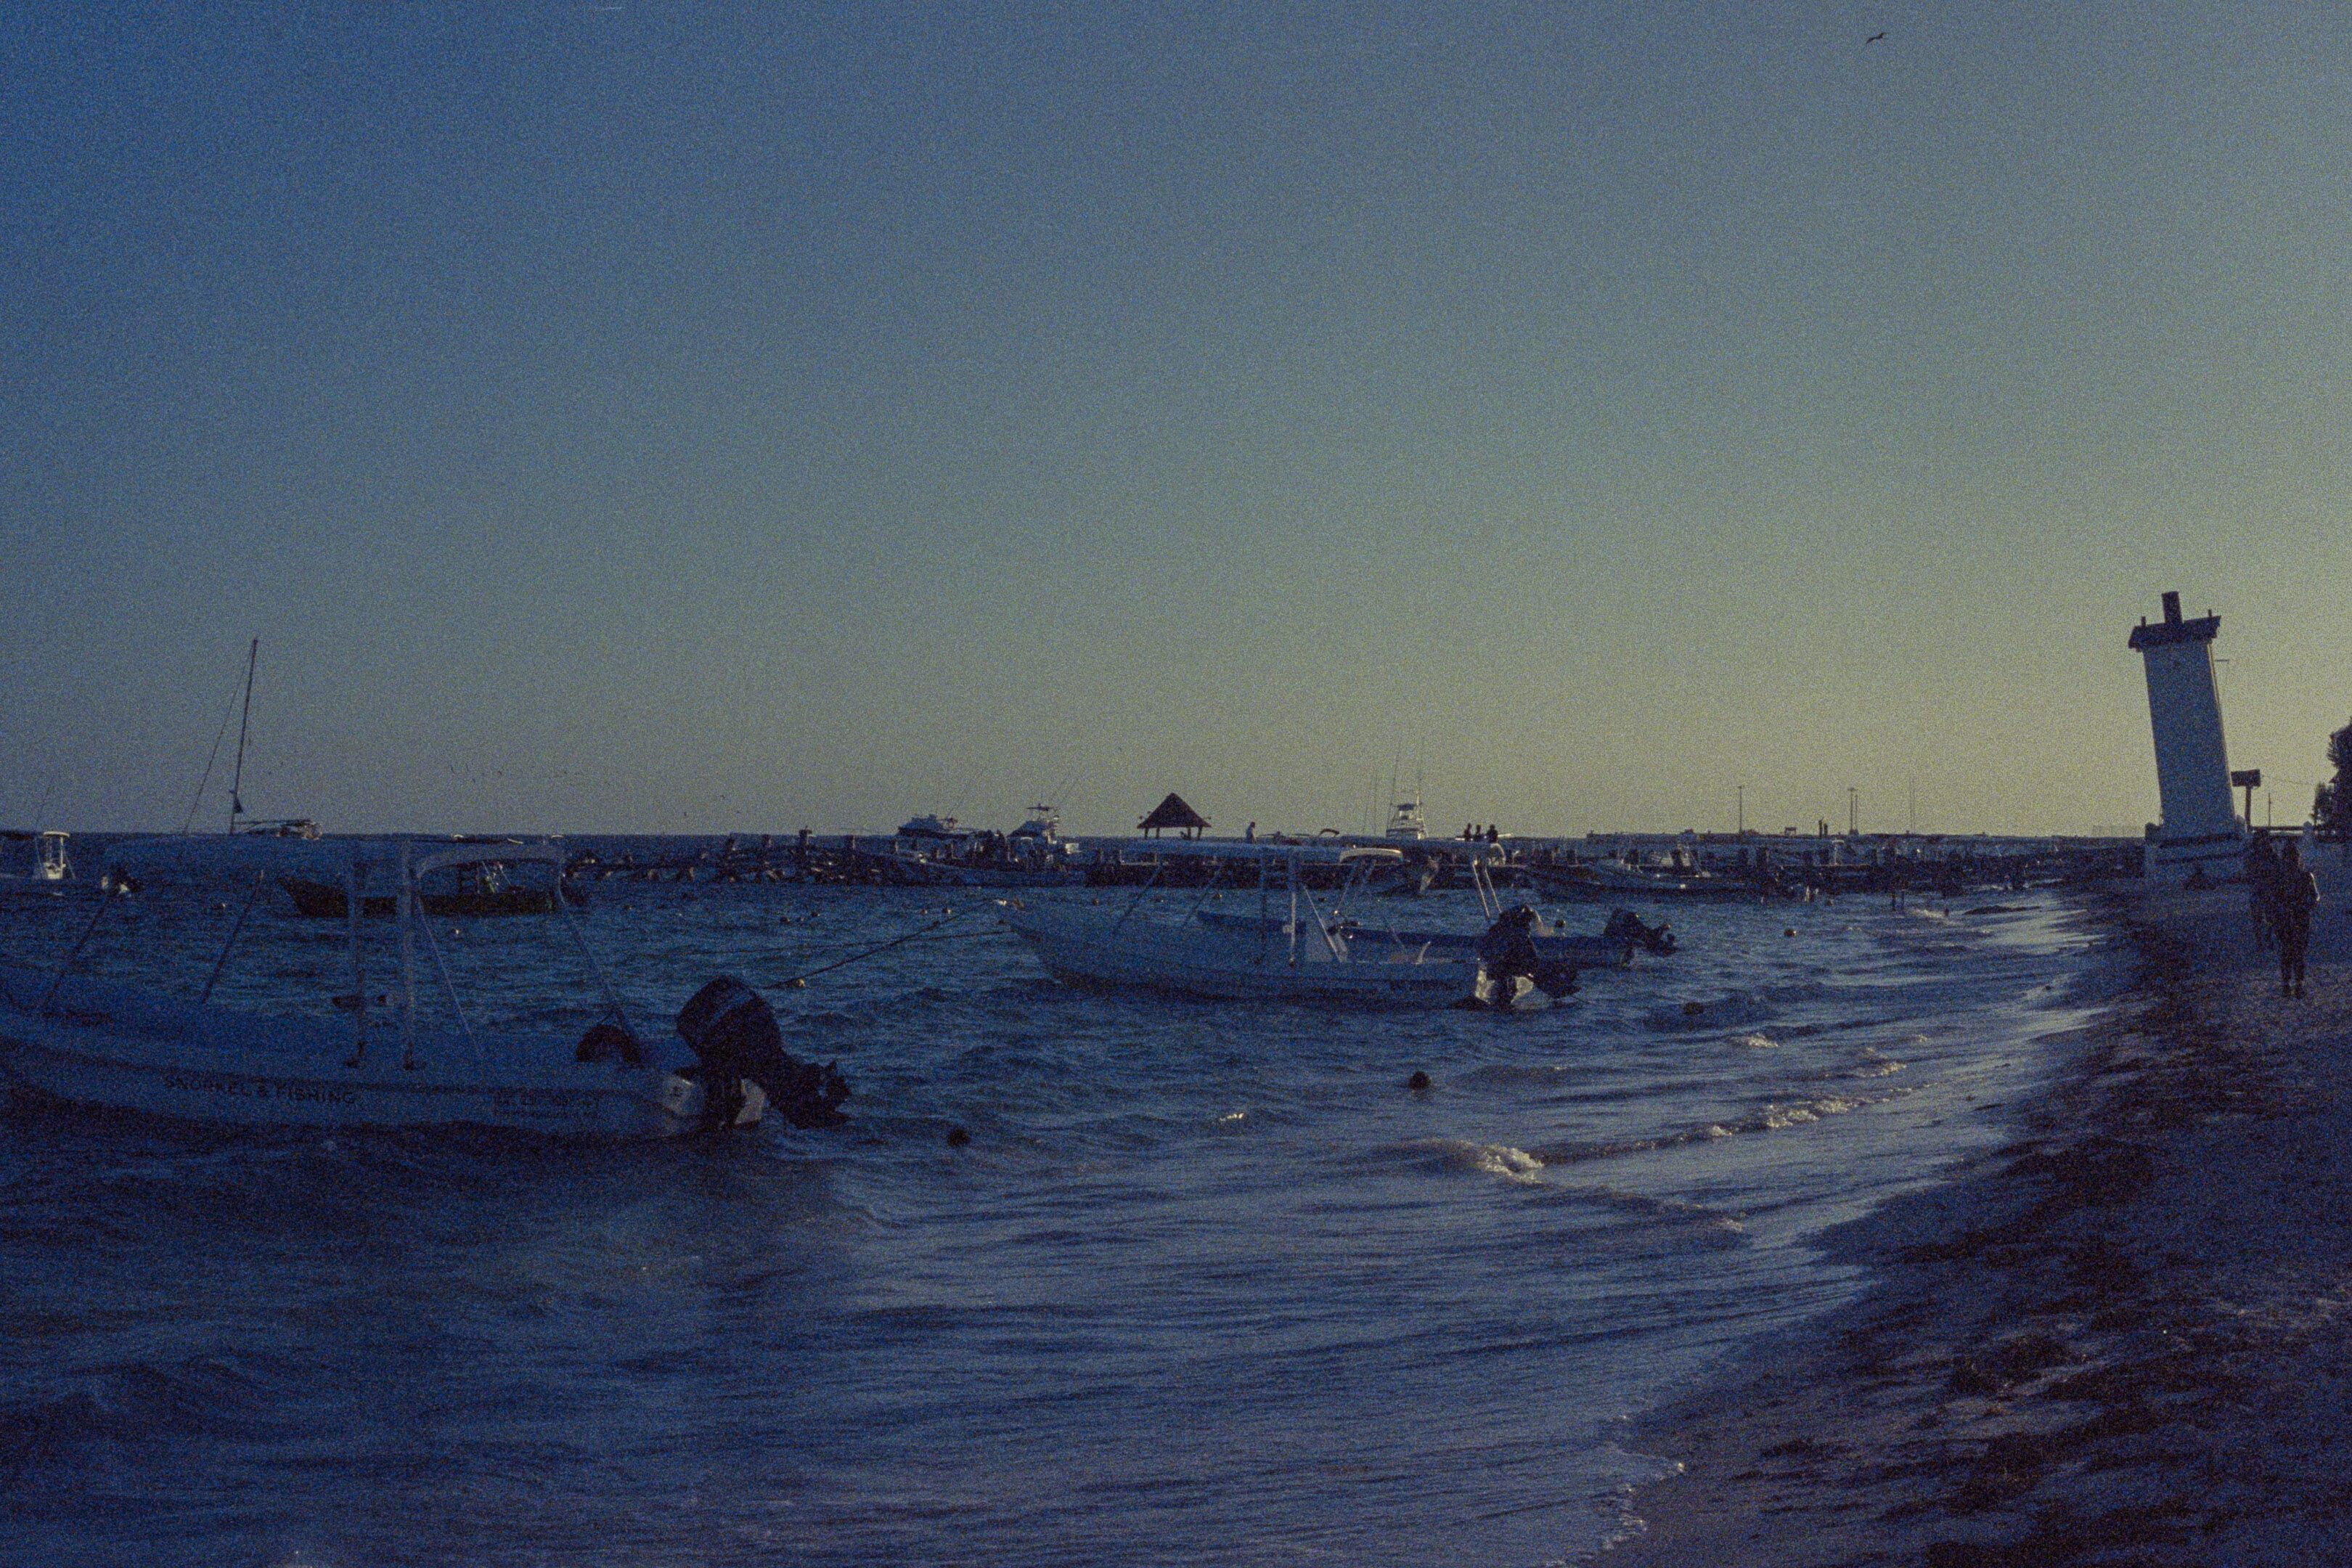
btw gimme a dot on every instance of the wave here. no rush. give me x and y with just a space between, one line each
1775 1116
1451 1154
1876 1063
132 1402
1733 1009
1655 1210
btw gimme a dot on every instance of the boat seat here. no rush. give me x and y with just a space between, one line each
608 1041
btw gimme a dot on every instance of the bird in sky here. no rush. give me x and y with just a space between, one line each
1875 37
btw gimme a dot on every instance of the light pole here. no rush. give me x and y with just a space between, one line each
1853 806
1742 797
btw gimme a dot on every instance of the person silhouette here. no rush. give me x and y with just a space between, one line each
2261 890
2296 894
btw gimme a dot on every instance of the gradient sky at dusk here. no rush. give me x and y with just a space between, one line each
627 416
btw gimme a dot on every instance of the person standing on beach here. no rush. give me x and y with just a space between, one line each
2296 894
2262 889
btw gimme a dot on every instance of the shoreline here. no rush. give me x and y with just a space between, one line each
2114 1339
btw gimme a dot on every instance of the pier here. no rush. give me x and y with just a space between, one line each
1784 865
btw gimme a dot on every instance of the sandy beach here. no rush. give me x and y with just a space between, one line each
2119 1340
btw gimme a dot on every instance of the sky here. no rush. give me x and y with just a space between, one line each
700 418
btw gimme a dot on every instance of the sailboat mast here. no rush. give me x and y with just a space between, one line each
235 801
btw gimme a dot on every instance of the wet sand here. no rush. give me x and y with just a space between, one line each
2127 1337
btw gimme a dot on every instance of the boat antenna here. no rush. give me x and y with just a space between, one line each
235 800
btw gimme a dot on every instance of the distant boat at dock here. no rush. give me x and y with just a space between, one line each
938 852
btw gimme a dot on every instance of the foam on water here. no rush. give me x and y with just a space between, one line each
1209 1285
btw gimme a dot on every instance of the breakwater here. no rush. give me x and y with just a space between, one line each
1675 865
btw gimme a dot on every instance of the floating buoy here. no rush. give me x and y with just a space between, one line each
958 1137
1419 1080
1693 1009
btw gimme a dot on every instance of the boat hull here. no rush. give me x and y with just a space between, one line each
121 1049
1373 941
1206 964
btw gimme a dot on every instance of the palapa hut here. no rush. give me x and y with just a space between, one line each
1174 813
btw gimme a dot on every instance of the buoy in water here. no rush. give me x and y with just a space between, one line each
958 1137
1693 1009
1419 1080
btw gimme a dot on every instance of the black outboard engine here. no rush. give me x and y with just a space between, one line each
1507 951
1556 980
1625 926
732 1029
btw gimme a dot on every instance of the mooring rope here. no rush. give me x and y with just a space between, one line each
802 979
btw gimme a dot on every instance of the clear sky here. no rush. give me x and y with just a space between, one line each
627 416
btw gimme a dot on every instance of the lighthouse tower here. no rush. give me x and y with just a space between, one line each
2200 828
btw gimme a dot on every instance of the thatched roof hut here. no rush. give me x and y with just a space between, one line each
1174 813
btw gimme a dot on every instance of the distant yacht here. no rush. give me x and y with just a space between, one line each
934 852
1044 826
1405 821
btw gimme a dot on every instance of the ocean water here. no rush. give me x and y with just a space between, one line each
1209 1285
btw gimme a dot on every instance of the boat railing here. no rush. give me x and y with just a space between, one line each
352 862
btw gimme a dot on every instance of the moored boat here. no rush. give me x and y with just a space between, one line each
42 860
1304 954
1586 952
390 1063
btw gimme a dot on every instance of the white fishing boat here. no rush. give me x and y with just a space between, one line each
1301 953
1373 937
36 857
936 852
1406 822
1610 948
390 1063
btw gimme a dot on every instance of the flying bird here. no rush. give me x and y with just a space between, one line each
1875 38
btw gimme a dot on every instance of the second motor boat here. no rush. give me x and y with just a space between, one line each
1296 949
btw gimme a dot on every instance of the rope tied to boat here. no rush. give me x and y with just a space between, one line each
797 980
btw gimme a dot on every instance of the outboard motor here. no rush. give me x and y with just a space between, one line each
733 1031
1556 980
1625 926
1507 951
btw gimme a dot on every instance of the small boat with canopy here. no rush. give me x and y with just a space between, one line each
406 1054
35 859
1294 948
1371 934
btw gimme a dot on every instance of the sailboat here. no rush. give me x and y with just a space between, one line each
281 827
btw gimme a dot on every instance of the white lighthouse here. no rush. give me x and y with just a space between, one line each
2201 830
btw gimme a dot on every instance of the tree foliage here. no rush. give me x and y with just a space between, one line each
2331 805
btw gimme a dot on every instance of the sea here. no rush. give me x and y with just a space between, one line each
1209 1283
